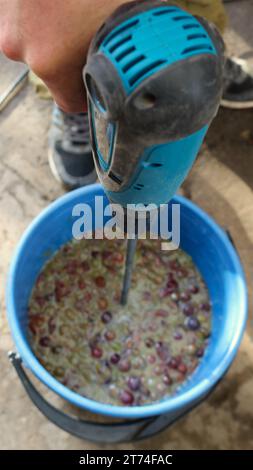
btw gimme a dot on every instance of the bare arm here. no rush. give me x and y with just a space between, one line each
53 37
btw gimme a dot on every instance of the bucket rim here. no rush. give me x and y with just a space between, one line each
167 405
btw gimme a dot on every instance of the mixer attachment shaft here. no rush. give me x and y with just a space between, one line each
131 249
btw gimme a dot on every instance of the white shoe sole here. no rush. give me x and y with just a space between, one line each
236 104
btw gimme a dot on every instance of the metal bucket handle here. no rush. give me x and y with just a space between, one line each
92 431
126 431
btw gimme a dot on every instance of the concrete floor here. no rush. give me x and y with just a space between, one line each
221 183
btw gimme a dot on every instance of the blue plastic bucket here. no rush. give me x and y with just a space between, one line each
212 252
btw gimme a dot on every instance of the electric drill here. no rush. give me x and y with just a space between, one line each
154 84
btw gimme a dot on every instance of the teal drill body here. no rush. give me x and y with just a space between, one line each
154 81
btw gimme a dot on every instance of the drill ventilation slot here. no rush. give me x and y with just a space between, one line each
133 62
165 11
198 47
119 43
191 26
125 53
181 18
196 36
151 165
120 31
115 178
145 70
139 186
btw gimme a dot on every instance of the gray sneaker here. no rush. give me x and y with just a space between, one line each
238 85
70 156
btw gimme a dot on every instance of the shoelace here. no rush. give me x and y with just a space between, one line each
75 126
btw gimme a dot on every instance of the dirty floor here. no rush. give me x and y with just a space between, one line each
221 183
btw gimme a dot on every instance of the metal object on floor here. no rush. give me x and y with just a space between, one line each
13 89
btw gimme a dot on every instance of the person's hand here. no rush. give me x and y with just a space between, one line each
53 37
